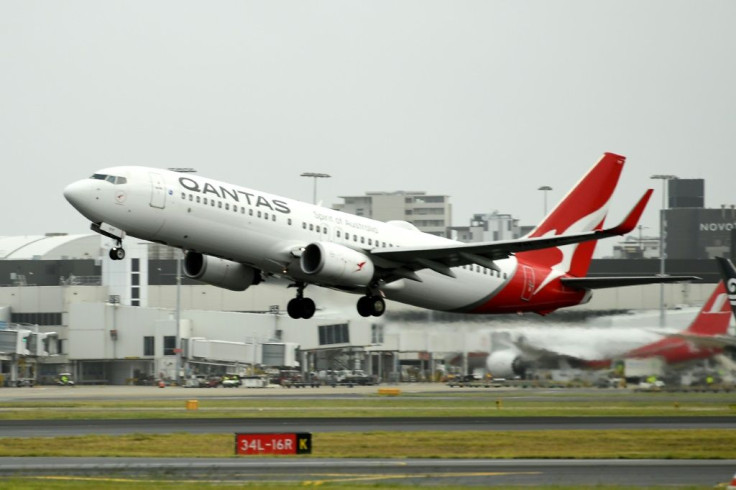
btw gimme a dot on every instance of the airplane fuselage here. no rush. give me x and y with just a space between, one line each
269 232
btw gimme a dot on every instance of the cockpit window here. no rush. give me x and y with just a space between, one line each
113 179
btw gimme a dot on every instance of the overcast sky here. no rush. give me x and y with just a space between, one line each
484 101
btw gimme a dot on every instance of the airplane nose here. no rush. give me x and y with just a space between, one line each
74 192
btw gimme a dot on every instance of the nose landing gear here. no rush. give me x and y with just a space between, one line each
104 229
117 252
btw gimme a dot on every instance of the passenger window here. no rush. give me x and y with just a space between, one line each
250 212
370 241
317 229
205 200
219 204
273 217
311 227
362 239
304 225
197 198
288 221
227 206
265 215
337 234
259 214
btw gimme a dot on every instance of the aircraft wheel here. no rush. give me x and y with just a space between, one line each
378 305
308 308
364 306
117 253
301 308
293 308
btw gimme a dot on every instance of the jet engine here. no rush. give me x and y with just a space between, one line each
336 265
220 272
505 364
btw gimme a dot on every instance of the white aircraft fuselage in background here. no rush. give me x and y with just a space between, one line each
234 237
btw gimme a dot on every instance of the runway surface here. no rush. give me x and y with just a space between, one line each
308 470
55 428
414 472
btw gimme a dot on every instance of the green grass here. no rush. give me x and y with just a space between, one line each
465 405
119 483
583 444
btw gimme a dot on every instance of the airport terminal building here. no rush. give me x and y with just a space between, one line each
65 307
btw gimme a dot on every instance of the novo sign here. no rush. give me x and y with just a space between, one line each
718 226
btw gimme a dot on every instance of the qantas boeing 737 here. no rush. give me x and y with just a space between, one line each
236 237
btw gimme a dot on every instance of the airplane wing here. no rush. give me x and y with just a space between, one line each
403 261
617 281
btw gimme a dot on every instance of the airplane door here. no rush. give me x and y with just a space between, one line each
158 191
528 288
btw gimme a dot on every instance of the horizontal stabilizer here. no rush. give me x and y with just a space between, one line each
614 282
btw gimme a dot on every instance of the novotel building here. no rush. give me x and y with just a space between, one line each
693 231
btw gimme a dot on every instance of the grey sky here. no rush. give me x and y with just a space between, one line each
481 100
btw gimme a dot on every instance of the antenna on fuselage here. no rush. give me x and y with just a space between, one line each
183 170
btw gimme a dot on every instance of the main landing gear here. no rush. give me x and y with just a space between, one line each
301 307
371 305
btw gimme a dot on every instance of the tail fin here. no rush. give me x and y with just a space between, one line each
715 315
583 209
728 274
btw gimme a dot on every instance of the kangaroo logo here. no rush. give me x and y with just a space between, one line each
360 266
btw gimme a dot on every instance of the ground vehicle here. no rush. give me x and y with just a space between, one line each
65 379
295 379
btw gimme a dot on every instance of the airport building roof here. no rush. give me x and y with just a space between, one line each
50 247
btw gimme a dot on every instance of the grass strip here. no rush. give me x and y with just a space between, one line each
366 407
579 444
77 483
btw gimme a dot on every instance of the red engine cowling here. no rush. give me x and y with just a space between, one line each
336 265
220 272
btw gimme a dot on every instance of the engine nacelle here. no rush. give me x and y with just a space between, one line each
220 272
336 265
505 364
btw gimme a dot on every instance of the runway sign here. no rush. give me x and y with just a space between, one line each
273 443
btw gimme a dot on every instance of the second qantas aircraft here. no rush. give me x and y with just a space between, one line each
236 237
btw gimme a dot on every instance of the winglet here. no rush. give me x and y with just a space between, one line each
629 223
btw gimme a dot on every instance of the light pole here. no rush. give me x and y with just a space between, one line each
177 319
315 176
544 189
641 240
662 255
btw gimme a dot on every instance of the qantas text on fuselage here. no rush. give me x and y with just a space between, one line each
234 237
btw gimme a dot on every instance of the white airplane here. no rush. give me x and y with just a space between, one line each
705 337
236 237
